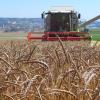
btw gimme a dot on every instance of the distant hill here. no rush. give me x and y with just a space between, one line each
28 24
95 24
21 24
38 24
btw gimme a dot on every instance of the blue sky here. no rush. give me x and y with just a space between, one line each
33 8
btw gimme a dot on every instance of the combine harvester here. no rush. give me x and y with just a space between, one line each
60 23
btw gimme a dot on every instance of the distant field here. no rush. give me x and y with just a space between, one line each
16 35
95 34
12 35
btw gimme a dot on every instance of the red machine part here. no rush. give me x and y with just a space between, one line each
54 36
31 35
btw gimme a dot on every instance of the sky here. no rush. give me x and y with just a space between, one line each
33 8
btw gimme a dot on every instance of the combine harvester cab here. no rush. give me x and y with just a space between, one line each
61 23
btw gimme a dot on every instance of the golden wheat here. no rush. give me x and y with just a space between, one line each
49 71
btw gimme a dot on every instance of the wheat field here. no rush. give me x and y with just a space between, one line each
34 70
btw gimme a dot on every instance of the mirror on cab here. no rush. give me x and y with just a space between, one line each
42 15
79 16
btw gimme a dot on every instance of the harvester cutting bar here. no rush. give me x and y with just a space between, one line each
66 38
54 36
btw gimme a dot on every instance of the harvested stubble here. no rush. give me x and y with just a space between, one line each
49 71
